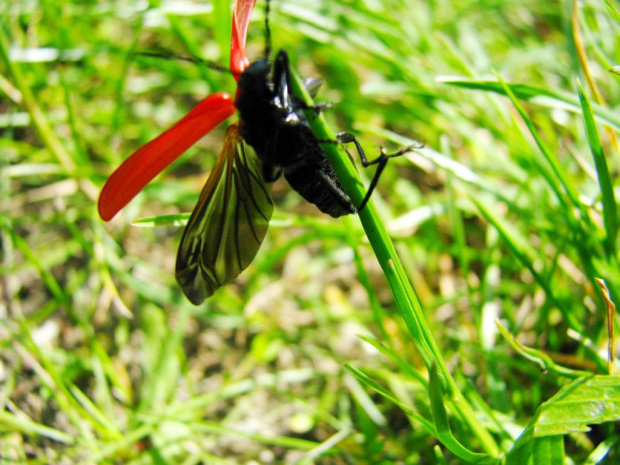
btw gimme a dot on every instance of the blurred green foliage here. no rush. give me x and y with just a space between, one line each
508 213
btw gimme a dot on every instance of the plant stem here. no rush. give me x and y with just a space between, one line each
404 295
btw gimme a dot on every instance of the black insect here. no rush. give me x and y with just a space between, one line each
273 122
273 137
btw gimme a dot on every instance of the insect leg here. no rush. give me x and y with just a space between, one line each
317 108
381 161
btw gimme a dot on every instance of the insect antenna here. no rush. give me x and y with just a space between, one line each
196 60
267 32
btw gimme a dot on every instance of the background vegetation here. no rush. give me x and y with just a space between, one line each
507 214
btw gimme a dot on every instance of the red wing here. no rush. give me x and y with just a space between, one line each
228 224
241 19
149 160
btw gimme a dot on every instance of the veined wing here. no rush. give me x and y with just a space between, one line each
228 224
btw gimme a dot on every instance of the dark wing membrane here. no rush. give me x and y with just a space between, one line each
228 224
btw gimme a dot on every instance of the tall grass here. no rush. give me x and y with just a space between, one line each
321 351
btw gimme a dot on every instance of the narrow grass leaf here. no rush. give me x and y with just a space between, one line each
378 237
179 220
364 401
613 10
97 415
222 21
26 425
405 368
537 95
369 382
129 439
276 441
48 278
381 243
556 168
540 358
525 254
610 206
444 433
602 450
327 445
30 169
29 101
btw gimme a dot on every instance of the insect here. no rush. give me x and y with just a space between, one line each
273 122
272 138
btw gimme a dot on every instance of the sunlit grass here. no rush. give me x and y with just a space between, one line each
508 213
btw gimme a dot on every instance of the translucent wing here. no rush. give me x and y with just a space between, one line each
228 224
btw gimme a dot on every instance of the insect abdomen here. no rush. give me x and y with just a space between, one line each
319 185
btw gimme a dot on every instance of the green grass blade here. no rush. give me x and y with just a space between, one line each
177 220
610 207
444 432
31 428
377 235
558 182
540 358
613 10
383 248
539 95
369 382
525 254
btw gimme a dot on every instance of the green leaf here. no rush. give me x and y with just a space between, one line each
548 450
444 432
542 359
381 243
607 191
524 252
586 401
613 10
405 368
537 95
369 382
601 451
22 423
179 219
